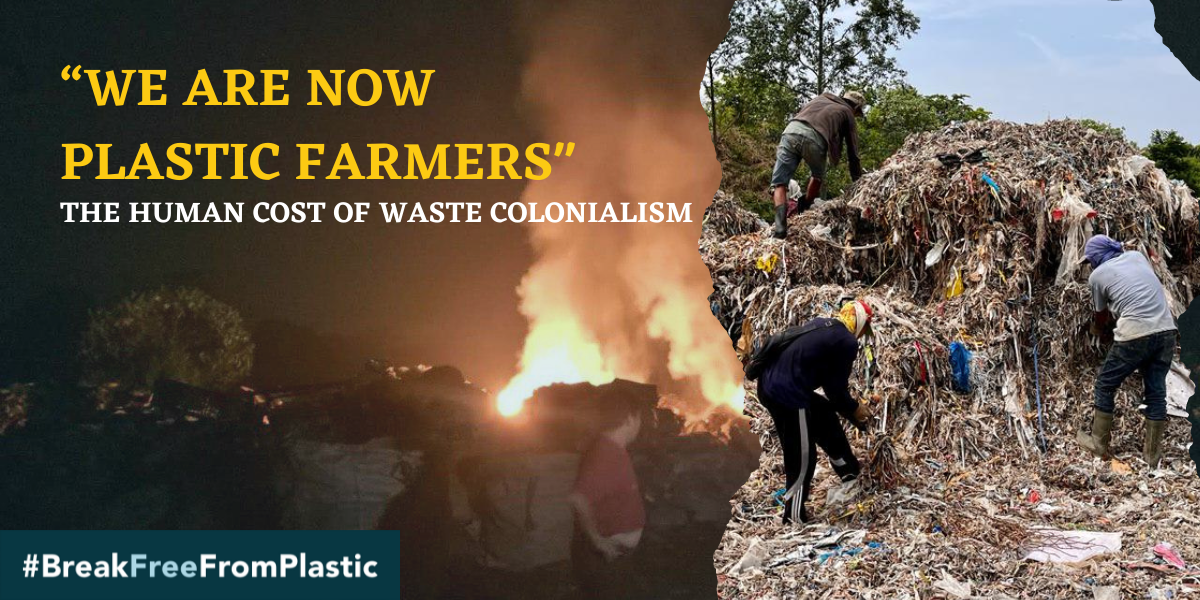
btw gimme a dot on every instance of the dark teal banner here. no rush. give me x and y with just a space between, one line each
185 565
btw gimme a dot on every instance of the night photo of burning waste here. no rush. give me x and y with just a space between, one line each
925 336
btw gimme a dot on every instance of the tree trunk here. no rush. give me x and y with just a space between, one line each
712 107
821 7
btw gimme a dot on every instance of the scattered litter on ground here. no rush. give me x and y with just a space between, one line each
752 560
1072 547
1120 468
1166 551
953 587
842 495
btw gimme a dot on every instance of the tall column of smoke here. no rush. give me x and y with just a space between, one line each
621 80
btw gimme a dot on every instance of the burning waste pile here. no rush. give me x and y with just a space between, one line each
967 245
481 499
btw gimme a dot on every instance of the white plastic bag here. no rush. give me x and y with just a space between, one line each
1131 168
1076 216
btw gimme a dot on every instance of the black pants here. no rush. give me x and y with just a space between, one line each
1151 355
800 432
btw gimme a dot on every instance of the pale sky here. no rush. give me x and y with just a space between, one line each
1029 60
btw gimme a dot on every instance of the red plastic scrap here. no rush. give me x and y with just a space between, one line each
921 361
1166 552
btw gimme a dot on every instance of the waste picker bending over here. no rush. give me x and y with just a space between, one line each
815 135
789 367
1124 286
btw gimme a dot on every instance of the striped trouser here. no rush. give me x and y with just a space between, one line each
800 432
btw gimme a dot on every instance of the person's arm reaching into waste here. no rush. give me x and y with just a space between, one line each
856 170
837 382
1103 322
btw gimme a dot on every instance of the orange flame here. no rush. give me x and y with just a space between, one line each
555 352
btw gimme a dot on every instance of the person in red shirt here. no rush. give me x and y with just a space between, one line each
609 511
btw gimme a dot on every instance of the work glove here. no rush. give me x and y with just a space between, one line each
1103 332
862 416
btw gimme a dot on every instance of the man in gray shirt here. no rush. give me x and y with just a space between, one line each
1125 287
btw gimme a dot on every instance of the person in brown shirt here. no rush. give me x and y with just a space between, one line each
815 134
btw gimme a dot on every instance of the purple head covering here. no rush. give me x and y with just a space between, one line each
1101 248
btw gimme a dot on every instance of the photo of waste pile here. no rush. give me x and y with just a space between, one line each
967 244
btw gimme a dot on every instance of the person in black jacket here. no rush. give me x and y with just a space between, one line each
817 355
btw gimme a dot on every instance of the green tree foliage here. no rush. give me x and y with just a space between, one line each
1174 155
181 334
748 103
747 160
901 111
781 52
749 127
777 55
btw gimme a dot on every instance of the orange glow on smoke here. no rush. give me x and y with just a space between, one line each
625 300
737 399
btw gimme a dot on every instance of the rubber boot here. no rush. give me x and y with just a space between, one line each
1098 440
1152 447
780 221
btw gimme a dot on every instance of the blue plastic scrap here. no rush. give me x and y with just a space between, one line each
960 364
992 183
778 496
1037 388
842 551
